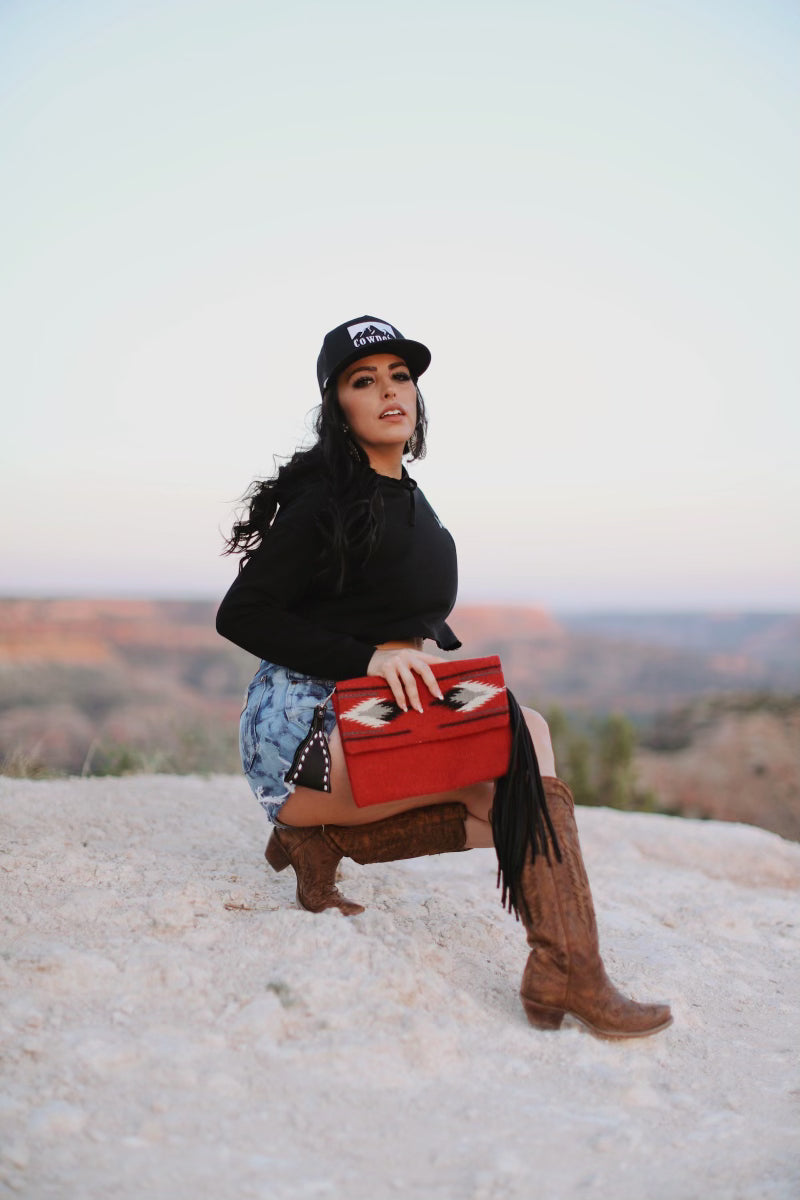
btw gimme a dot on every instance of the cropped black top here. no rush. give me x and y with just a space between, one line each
277 610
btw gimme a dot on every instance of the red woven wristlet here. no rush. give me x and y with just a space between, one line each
462 739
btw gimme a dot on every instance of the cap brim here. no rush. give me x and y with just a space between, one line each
416 356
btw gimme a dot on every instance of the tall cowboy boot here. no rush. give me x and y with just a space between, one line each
564 972
315 852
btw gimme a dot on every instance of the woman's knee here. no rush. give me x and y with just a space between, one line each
537 724
542 742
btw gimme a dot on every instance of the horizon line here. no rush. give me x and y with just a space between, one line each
687 609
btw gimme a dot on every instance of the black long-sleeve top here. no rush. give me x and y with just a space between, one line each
278 610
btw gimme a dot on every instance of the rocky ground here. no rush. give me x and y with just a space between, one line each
173 1026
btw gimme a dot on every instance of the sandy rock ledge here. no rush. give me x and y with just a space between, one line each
171 1025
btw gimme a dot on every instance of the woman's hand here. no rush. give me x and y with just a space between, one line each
399 668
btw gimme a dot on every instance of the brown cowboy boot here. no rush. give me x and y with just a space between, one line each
564 972
315 852
315 863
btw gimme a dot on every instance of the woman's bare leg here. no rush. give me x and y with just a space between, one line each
307 807
337 807
540 734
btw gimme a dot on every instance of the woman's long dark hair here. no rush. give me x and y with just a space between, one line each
351 520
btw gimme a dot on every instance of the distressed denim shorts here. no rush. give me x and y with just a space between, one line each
276 717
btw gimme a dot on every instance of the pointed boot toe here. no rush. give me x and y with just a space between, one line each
549 995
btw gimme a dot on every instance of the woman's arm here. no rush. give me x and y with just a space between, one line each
257 612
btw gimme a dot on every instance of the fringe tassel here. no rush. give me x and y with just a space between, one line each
521 824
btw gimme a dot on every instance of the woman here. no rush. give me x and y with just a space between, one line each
346 571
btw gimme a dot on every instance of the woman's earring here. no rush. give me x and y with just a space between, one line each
352 448
415 443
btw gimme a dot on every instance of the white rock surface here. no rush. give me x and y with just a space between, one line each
173 1026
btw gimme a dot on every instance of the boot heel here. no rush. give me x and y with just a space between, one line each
542 1017
275 854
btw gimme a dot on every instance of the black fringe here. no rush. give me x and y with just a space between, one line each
521 824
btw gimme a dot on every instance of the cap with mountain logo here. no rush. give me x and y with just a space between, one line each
355 338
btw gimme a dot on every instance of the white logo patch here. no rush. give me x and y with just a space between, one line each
366 333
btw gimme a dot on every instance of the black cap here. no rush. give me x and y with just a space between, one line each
353 340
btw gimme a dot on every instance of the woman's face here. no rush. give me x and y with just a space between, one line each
379 400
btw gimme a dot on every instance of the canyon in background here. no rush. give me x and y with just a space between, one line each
695 713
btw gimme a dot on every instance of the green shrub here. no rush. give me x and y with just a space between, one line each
597 761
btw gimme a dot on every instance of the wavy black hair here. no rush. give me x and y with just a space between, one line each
351 520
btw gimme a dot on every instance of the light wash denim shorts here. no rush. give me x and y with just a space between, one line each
276 717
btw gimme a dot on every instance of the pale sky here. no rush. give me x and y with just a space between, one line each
586 208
